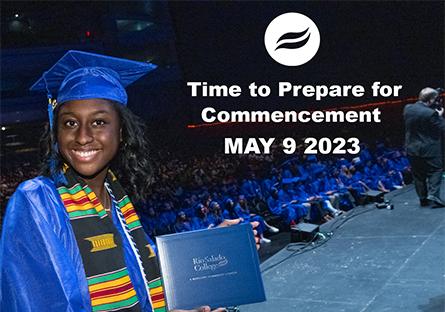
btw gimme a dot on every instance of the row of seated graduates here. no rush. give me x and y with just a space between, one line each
300 189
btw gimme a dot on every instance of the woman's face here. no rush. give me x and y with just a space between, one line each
88 134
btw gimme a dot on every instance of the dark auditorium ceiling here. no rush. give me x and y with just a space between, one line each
218 42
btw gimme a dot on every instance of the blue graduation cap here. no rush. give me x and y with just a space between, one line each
286 181
82 75
343 161
290 180
311 158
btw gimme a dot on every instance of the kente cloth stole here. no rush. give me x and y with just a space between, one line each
101 248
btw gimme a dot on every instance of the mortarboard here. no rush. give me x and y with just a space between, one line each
82 75
356 160
290 180
213 204
311 158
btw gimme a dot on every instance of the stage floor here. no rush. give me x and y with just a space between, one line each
380 260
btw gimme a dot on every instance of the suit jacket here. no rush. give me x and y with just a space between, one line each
424 129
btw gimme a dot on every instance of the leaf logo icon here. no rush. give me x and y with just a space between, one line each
293 40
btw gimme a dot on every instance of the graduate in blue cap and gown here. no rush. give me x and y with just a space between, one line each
290 212
243 213
71 239
182 223
201 219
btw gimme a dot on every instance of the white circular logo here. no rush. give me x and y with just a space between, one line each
292 39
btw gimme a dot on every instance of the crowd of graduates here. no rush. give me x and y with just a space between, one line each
201 192
215 190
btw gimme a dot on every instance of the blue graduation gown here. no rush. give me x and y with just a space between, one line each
199 223
288 213
215 219
245 214
41 268
183 227
167 219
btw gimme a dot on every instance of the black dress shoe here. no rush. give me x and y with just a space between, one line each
425 202
437 205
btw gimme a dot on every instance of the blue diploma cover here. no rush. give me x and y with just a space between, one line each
216 267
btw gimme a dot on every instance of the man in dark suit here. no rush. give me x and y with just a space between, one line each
425 126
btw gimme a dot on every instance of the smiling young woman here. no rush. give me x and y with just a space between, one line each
88 135
72 240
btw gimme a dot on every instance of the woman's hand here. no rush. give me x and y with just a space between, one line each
201 309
